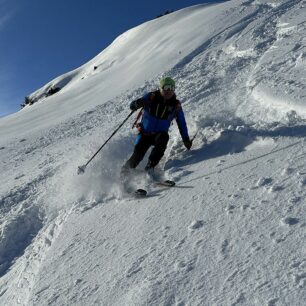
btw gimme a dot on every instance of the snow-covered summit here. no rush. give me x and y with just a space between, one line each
231 233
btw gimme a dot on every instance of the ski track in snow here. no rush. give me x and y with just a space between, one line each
230 233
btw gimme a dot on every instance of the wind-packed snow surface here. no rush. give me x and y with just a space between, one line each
232 231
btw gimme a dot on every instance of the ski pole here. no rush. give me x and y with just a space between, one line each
194 136
81 169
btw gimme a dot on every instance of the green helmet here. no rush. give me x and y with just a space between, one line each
167 81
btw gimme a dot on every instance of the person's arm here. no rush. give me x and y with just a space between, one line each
181 123
142 102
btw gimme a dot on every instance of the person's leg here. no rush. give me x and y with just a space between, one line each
143 143
160 145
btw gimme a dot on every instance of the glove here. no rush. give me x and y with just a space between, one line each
135 104
187 143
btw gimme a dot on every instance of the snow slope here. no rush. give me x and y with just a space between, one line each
232 232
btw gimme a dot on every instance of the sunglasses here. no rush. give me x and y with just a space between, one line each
169 87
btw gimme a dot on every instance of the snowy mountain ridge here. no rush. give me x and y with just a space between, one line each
230 233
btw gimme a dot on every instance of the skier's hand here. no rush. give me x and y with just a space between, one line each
187 143
136 104
133 106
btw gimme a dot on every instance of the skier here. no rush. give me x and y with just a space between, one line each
159 108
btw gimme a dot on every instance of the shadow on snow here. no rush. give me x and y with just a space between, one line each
231 142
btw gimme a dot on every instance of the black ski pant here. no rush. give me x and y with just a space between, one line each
158 140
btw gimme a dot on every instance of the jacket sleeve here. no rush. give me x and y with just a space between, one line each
141 102
181 123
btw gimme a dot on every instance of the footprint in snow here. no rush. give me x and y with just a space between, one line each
186 265
290 221
165 230
230 209
299 276
29 150
297 264
225 248
177 176
276 188
77 281
287 171
272 302
295 199
220 162
196 225
136 266
233 196
302 181
180 243
264 181
300 279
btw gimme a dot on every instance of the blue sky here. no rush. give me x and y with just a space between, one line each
40 39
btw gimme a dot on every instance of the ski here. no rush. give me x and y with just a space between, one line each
136 193
166 183
140 193
128 188
125 180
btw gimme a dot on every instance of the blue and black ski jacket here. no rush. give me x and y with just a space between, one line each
158 114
